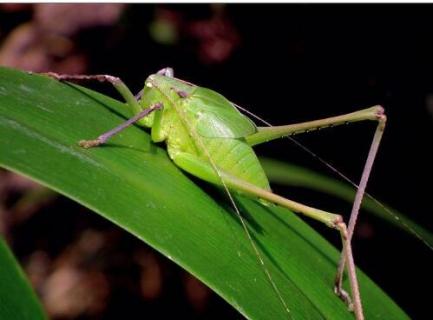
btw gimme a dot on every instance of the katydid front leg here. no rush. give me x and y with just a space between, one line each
131 100
117 83
374 113
105 136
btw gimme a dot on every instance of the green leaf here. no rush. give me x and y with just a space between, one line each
134 184
292 175
17 299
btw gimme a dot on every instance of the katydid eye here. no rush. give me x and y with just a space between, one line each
180 93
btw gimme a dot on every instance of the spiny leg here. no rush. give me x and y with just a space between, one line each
124 91
358 200
205 171
266 134
104 137
115 81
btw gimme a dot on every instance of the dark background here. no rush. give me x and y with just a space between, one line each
286 63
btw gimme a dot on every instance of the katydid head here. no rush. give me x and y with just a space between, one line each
170 87
165 89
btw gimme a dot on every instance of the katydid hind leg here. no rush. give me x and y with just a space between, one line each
203 170
358 200
374 113
266 134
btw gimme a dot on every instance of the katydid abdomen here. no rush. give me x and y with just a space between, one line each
230 156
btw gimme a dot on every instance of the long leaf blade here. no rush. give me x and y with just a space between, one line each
17 299
133 183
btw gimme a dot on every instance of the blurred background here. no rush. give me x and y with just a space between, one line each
286 63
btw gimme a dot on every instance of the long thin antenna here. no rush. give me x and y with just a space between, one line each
342 175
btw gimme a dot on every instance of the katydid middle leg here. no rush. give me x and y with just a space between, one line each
374 113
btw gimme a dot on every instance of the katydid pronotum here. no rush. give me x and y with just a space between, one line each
209 138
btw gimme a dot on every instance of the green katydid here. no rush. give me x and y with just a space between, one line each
209 138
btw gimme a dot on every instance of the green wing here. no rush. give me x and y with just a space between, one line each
216 117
